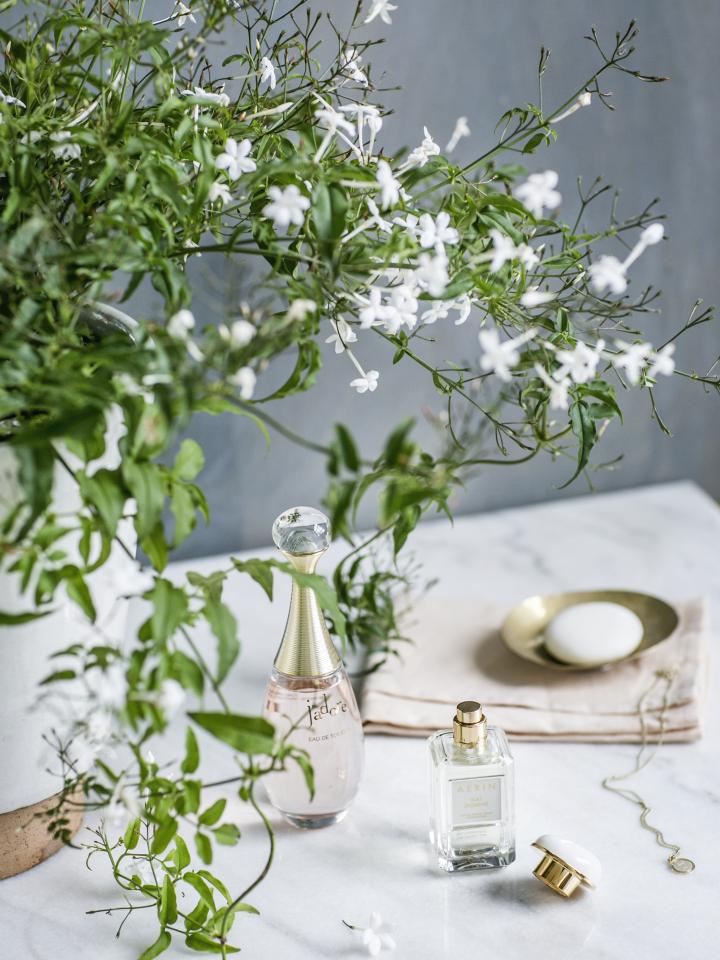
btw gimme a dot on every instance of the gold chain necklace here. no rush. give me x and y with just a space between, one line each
663 678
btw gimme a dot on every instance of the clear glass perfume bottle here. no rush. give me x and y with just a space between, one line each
472 819
309 698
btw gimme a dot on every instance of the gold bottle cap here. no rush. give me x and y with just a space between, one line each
566 865
469 724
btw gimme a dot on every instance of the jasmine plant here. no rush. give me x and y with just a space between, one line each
128 147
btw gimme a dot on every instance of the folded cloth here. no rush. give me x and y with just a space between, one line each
456 654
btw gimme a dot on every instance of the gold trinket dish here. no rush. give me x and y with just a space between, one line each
523 631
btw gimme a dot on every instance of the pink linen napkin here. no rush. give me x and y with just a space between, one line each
456 654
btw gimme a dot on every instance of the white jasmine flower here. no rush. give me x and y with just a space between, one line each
141 867
299 309
539 192
652 234
432 273
410 223
98 726
420 155
527 256
581 362
343 335
608 273
367 382
170 698
207 96
438 311
503 250
374 937
180 324
463 305
236 158
382 9
332 120
4 98
108 687
584 100
436 233
219 191
374 311
375 217
125 799
239 334
267 72
534 297
662 362
404 307
500 356
632 359
244 379
559 399
389 186
288 206
350 61
461 130
183 13
65 150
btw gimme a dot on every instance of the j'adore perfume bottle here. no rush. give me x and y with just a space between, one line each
309 699
472 820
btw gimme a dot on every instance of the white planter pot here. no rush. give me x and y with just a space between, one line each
28 766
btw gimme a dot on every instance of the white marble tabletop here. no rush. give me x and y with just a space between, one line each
661 539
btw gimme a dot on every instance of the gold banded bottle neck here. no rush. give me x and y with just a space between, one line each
306 649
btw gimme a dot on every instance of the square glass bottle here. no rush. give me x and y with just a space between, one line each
472 818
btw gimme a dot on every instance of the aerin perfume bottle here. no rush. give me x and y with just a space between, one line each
472 819
309 699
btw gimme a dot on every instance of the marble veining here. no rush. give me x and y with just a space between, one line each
660 539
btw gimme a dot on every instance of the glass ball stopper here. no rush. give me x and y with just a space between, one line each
301 531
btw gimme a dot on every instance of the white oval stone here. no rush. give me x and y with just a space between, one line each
575 856
589 634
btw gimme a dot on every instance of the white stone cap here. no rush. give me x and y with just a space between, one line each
578 858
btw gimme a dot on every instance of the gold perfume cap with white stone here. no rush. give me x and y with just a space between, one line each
303 535
469 724
566 865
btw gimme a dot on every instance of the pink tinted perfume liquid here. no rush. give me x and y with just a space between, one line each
320 715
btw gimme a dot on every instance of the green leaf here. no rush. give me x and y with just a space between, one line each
15 619
329 209
213 813
147 484
307 771
35 473
584 429
181 854
163 835
203 847
259 570
205 944
200 887
132 834
224 625
192 753
104 492
169 609
189 461
78 591
227 834
155 949
183 510
251 735
167 905
348 450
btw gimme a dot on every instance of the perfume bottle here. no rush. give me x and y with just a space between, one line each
309 699
472 820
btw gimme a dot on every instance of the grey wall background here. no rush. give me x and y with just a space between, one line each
477 58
